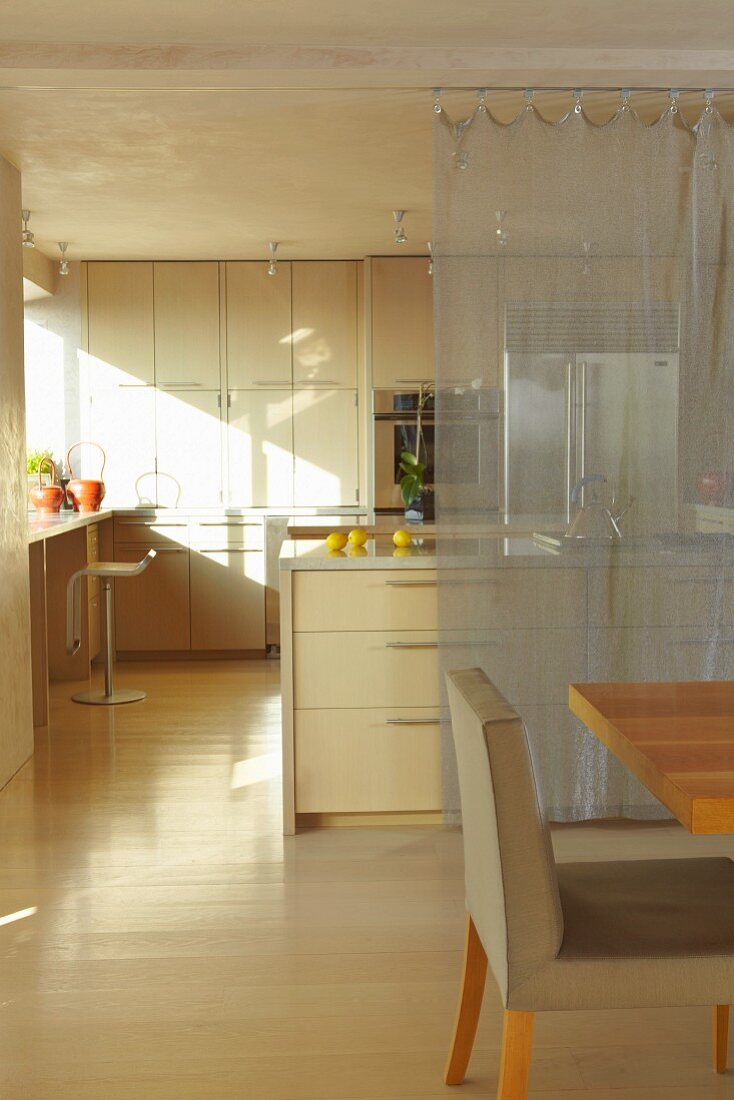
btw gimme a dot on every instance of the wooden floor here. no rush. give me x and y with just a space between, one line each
178 947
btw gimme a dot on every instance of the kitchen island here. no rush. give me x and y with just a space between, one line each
361 663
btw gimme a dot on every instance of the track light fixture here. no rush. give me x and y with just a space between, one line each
400 237
273 265
28 238
430 257
64 264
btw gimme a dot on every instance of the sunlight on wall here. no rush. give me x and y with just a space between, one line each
44 390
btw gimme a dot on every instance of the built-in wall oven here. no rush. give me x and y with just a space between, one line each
468 434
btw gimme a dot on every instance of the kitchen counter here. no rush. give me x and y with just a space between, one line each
42 527
501 551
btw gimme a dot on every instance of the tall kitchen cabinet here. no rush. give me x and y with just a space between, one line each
292 432
325 354
153 368
187 374
120 376
402 322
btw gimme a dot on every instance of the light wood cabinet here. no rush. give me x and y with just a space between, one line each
123 422
94 587
368 761
402 322
326 447
324 323
186 324
260 448
189 448
259 330
228 598
120 322
152 610
373 599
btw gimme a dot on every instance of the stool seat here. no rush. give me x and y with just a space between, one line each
108 571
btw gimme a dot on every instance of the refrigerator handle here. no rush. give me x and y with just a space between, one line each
571 478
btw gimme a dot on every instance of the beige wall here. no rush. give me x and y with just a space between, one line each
16 722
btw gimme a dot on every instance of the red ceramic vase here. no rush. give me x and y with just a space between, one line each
710 486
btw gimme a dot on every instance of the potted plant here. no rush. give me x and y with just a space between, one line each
417 496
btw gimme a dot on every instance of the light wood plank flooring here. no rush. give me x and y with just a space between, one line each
179 948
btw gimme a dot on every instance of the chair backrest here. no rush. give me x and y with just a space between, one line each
511 885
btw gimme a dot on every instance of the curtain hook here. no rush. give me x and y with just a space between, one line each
437 101
625 93
529 96
674 93
577 94
482 93
708 96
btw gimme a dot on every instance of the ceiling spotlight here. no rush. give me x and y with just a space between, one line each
273 265
64 265
500 231
400 237
430 257
28 239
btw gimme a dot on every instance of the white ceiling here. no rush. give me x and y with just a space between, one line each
169 128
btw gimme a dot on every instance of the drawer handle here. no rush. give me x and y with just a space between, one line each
696 580
411 584
316 382
274 382
178 385
411 645
226 550
148 523
171 549
237 523
414 721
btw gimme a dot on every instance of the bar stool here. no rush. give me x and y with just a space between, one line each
106 571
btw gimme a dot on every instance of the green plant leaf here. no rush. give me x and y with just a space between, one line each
410 488
409 458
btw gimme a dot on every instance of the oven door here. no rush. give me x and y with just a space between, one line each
393 435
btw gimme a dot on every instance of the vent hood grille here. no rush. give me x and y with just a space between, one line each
568 327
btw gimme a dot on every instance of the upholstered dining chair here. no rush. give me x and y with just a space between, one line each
637 933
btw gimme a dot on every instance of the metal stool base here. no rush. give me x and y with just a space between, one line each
99 699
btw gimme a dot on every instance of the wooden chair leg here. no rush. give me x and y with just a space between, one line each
517 1047
720 1035
470 1005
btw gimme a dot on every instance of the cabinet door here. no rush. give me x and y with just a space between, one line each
325 323
122 421
228 598
402 321
186 324
258 326
152 610
189 448
120 320
260 448
326 448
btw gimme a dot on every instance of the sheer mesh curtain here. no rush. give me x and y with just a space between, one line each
582 272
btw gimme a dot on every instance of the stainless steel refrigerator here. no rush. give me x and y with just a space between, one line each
569 415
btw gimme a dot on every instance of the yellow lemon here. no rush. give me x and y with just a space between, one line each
335 554
336 540
402 538
358 537
358 552
402 552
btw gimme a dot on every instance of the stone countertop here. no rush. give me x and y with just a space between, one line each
43 526
500 551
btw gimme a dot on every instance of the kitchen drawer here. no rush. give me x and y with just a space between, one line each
376 599
475 599
659 653
151 532
690 596
220 534
352 761
365 669
527 666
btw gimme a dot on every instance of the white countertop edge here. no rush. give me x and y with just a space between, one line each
60 523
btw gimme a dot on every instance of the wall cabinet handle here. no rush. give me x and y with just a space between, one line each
414 721
411 645
411 584
226 550
178 385
274 382
225 523
316 382
136 385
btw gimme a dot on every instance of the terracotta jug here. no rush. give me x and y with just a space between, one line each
85 494
47 498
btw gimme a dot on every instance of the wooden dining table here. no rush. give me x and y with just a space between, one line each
677 738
